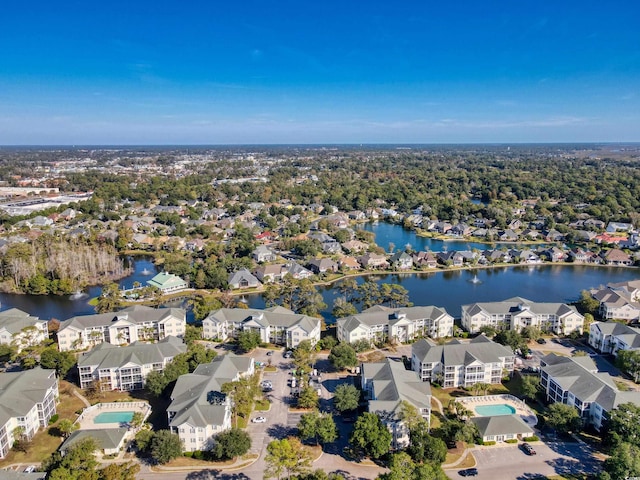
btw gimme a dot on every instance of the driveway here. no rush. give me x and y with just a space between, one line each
510 462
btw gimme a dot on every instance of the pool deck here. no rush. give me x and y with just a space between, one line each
86 420
521 407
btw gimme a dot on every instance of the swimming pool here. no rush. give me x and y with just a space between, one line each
494 410
113 417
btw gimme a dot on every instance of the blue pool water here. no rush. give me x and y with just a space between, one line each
494 410
113 417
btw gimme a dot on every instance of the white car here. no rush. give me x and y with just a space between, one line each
259 420
266 384
30 469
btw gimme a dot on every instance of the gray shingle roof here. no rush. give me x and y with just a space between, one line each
515 305
15 320
456 353
135 314
106 438
20 391
106 355
501 425
193 397
275 316
380 315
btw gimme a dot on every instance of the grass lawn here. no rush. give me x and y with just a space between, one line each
262 405
468 462
192 462
43 443
270 369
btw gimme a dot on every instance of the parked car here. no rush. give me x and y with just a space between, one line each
259 420
269 353
288 354
541 341
528 449
468 472
266 384
30 469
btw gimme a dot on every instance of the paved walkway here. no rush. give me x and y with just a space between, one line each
81 397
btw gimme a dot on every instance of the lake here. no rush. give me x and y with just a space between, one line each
448 289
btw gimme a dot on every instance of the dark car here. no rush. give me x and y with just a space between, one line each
468 472
528 449
269 353
541 341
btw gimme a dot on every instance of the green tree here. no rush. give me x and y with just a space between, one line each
629 361
304 356
165 446
66 427
530 386
371 436
588 304
564 418
119 471
402 467
328 342
286 457
624 462
624 423
317 426
61 362
342 308
155 383
78 463
248 340
143 439
424 447
232 443
110 300
191 334
308 397
343 356
346 397
511 338
531 333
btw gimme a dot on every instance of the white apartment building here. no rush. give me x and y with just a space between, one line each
517 313
199 410
275 325
399 324
126 368
576 381
457 364
609 337
21 329
619 300
27 401
386 385
121 328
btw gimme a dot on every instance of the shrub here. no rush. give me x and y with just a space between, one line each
511 440
491 442
54 418
533 438
188 454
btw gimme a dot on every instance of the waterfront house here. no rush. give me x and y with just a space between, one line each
167 283
616 257
271 273
401 261
21 329
575 381
402 324
349 263
373 260
274 325
126 368
27 402
457 364
386 386
199 410
243 278
452 258
517 312
120 328
425 259
323 265
355 246
297 271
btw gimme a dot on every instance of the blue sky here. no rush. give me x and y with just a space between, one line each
214 72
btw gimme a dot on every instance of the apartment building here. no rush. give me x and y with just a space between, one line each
276 325
457 364
609 337
121 328
199 410
386 385
126 368
21 329
27 401
619 300
517 313
576 381
399 324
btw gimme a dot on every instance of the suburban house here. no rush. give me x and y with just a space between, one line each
498 428
619 300
275 325
373 260
457 364
21 329
386 385
349 263
323 265
27 401
425 259
615 256
126 368
576 381
517 312
122 327
450 258
399 324
263 254
199 410
401 261
167 282
271 273
609 337
355 246
243 278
